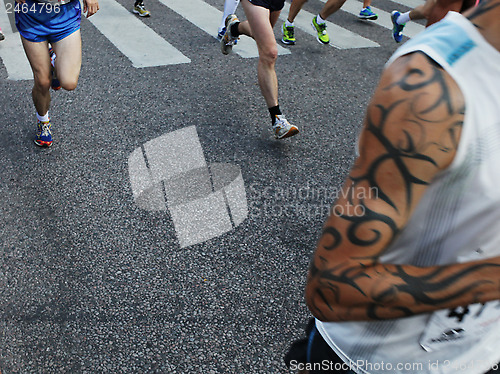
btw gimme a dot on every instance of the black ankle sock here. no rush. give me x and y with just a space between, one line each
274 111
234 30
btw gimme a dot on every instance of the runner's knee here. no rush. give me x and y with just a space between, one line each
269 55
42 82
69 84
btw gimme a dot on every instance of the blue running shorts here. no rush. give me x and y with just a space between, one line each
39 22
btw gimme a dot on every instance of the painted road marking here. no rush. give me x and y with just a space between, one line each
208 18
12 51
170 172
384 18
142 46
410 3
112 17
343 38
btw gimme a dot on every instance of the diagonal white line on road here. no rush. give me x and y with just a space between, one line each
12 51
208 18
344 39
410 3
142 46
384 18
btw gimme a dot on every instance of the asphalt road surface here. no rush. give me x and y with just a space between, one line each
115 255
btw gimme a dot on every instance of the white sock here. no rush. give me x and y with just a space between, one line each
319 19
288 23
44 118
403 18
229 8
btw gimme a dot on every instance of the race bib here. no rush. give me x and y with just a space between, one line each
462 325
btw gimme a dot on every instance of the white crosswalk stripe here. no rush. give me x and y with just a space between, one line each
208 19
384 18
142 46
11 50
409 3
145 48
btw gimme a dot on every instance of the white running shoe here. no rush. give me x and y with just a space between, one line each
227 41
283 129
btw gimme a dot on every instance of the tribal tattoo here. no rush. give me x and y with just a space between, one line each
411 132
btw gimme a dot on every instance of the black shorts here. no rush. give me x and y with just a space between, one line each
314 351
272 5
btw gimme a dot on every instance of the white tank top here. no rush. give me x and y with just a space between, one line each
457 220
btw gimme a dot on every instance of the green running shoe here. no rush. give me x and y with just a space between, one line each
288 34
141 10
320 28
397 29
367 13
228 40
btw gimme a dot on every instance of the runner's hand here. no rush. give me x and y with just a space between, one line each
89 6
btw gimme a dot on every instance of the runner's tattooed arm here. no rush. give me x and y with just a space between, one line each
411 132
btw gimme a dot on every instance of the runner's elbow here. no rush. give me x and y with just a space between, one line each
321 308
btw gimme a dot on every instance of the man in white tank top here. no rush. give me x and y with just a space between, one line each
406 275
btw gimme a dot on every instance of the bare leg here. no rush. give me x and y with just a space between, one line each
244 28
295 8
422 11
441 8
260 27
69 60
331 7
418 12
229 8
39 59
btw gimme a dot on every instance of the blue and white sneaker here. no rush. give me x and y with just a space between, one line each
228 40
221 33
43 135
397 29
367 13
